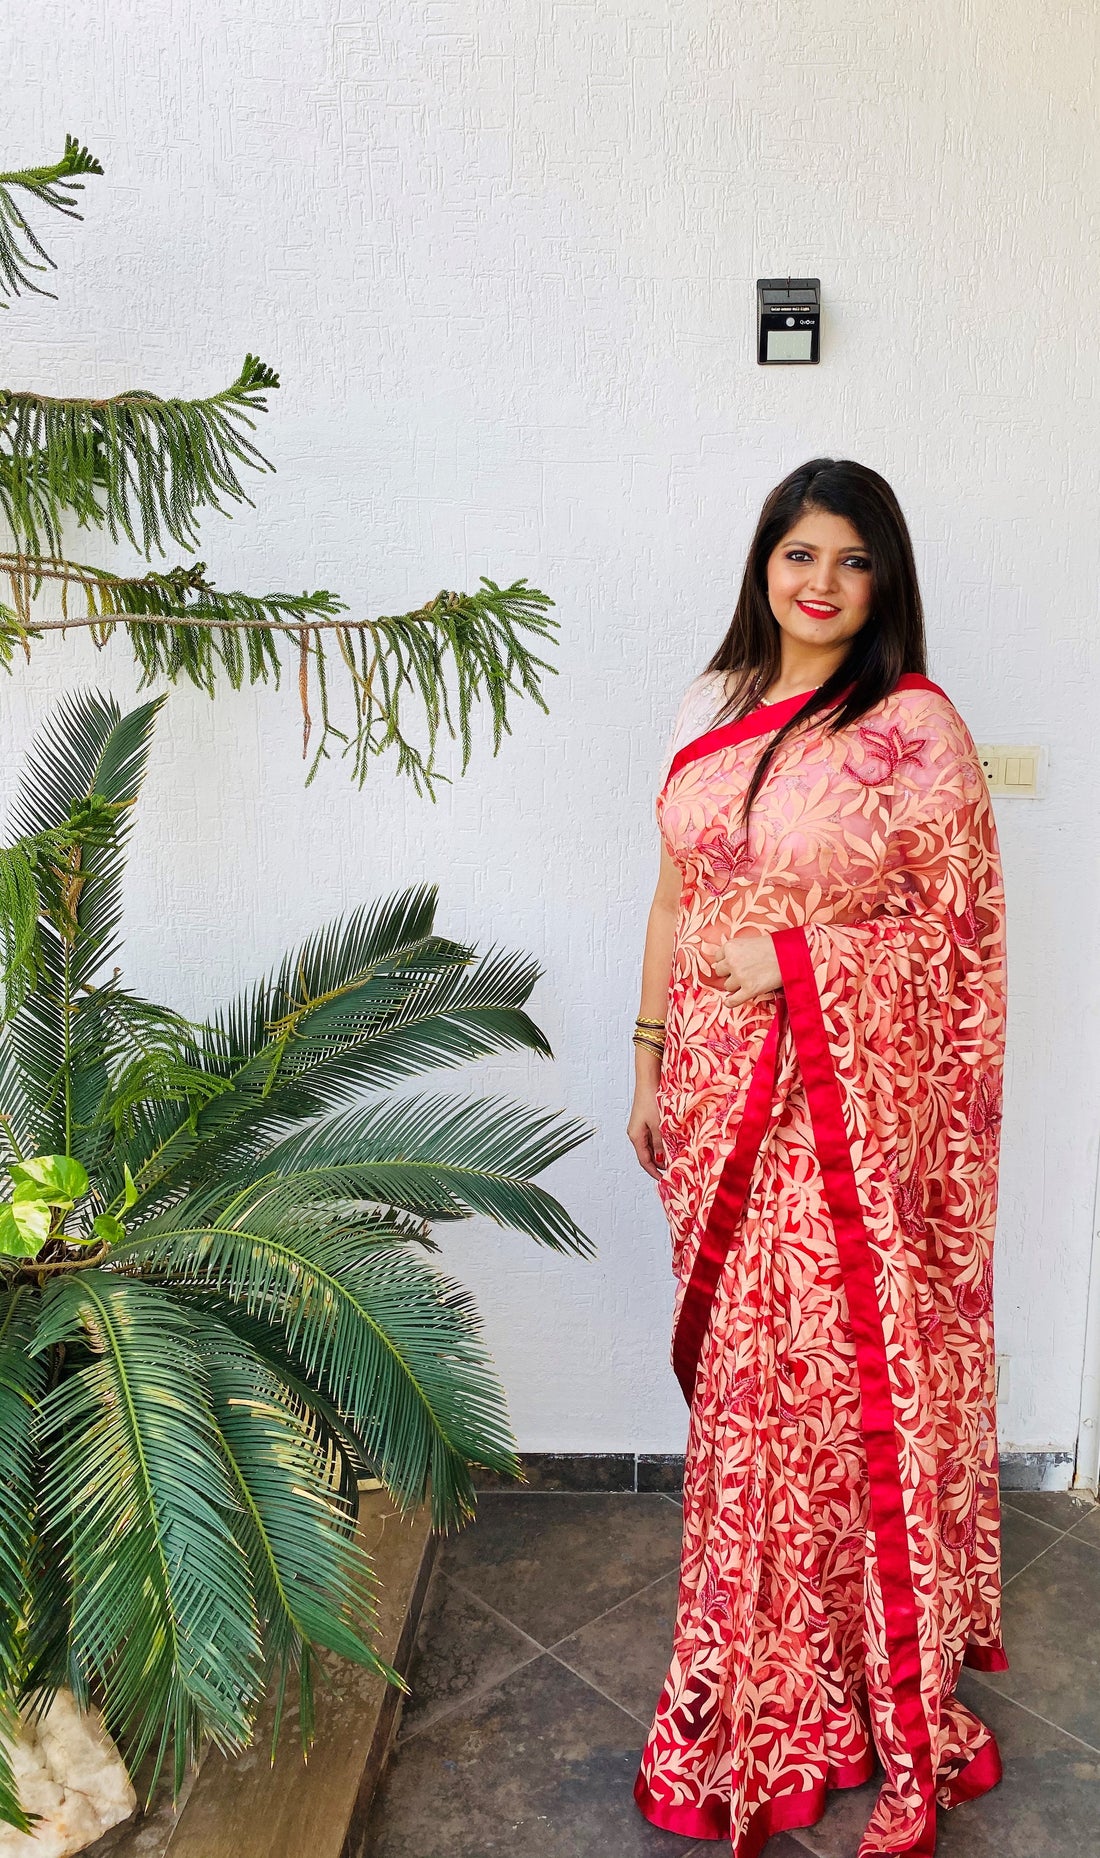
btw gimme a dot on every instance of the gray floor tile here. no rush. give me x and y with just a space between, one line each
1088 1529
538 1767
461 1647
1048 1803
626 1653
1052 1637
1060 1508
551 1564
1022 1538
838 1832
498 1758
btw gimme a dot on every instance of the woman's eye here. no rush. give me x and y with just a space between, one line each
859 561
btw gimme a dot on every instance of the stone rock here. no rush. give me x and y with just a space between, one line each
67 1769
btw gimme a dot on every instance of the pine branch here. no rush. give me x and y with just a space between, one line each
140 465
56 186
181 626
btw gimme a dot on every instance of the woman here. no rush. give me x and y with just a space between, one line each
819 1058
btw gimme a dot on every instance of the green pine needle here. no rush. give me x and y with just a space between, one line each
411 681
55 185
136 464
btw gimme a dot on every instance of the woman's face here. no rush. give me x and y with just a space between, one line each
821 562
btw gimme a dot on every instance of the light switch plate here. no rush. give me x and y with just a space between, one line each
1012 770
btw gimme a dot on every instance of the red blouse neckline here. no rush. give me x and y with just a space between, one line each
727 734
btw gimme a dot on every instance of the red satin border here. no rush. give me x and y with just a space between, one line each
765 718
876 1404
783 1814
789 1811
725 1211
986 1658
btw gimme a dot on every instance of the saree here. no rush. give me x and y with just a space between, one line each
830 1182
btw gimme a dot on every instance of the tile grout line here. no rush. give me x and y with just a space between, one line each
1056 1527
540 1651
495 1611
404 1737
587 1681
595 1620
1072 1531
1028 1711
1031 1563
479 1690
583 1627
527 1490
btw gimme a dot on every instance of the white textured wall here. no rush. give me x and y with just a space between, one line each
504 257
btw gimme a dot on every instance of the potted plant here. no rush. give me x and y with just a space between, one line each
218 1302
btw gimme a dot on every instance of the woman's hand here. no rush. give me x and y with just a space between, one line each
644 1129
747 966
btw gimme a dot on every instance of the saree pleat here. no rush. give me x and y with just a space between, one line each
831 1190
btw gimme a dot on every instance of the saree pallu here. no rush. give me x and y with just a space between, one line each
831 1160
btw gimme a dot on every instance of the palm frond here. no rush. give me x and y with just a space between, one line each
351 972
16 1116
437 1157
87 750
21 1381
20 953
314 1585
21 864
393 935
368 1002
395 1346
88 761
163 1617
56 185
134 463
346 1454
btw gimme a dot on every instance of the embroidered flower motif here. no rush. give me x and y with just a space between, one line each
673 1145
890 748
985 1108
910 1205
741 1392
723 858
929 1326
964 928
975 1300
714 1600
955 1531
724 1042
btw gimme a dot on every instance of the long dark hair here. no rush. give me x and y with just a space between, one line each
891 640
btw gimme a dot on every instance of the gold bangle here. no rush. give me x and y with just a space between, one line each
657 1024
645 1038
